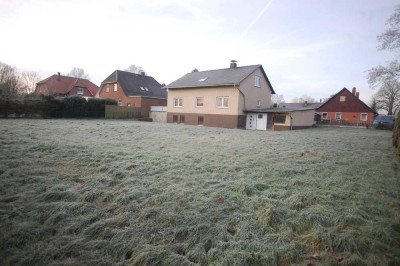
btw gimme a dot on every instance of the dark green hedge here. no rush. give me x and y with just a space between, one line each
48 107
396 135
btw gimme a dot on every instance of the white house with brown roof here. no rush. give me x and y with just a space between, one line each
218 98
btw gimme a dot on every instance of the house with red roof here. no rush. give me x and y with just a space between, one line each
64 86
346 108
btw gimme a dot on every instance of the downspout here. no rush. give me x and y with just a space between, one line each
291 120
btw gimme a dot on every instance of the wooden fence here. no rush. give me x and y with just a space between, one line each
122 112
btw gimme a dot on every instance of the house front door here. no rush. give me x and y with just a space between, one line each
251 121
261 121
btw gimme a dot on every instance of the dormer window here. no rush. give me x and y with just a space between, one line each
79 91
257 81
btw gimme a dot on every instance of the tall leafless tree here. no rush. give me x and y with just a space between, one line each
388 97
77 72
277 98
386 78
29 80
10 85
304 98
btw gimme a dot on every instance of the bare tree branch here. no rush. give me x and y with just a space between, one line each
377 76
77 72
135 69
29 80
390 39
388 97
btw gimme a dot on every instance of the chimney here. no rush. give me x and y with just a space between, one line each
354 91
305 103
143 73
357 95
233 64
58 75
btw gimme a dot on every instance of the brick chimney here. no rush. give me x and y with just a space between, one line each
357 95
143 73
354 91
58 75
233 64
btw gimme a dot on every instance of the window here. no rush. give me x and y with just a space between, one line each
200 120
222 102
363 117
199 101
342 98
175 118
257 81
129 105
119 103
79 91
338 116
324 115
281 119
181 119
260 116
115 87
141 88
258 103
178 102
108 88
203 79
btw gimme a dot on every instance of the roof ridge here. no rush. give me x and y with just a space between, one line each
257 65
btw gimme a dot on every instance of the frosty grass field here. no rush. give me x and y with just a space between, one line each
112 192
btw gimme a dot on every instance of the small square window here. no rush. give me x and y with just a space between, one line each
222 102
181 119
115 87
342 98
174 118
199 101
79 91
364 117
260 116
257 81
178 102
324 115
281 119
200 120
338 116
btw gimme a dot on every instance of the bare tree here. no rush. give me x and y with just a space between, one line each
379 75
29 80
388 97
303 99
390 39
277 98
77 72
135 69
10 85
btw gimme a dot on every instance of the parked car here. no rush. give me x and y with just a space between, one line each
384 122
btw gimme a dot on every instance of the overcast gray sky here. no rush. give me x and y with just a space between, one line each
307 47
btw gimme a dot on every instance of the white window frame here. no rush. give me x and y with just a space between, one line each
178 102
340 116
222 101
80 90
324 115
108 88
257 81
115 87
361 117
342 98
197 102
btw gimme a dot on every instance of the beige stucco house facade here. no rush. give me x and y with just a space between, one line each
218 98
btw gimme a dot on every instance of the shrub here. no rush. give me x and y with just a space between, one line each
97 107
74 107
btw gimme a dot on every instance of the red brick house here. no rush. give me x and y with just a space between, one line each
346 108
136 90
64 86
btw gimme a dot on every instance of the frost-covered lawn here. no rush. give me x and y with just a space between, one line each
122 192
